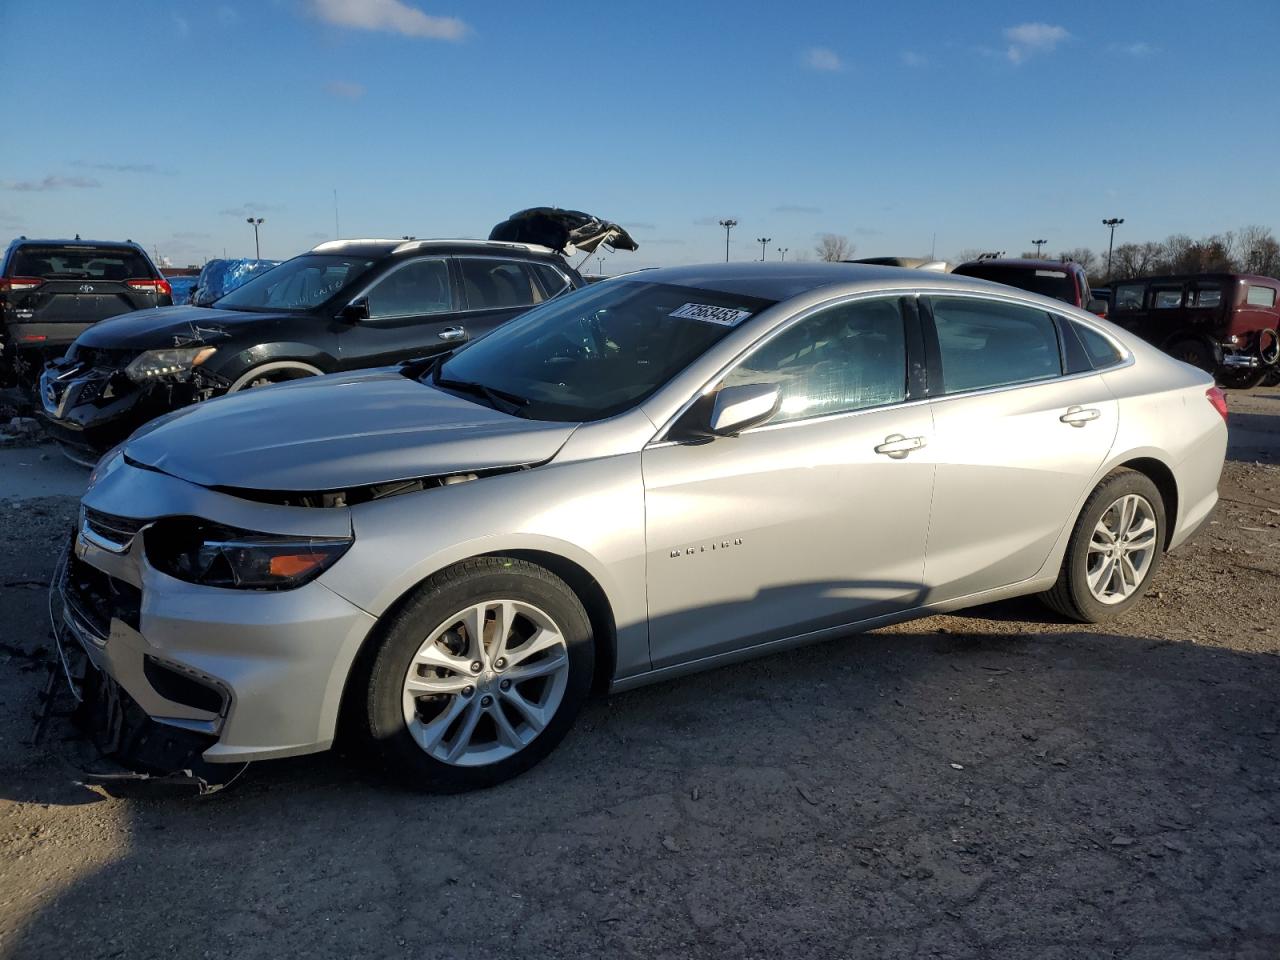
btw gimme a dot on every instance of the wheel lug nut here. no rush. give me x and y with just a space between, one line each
505 685
500 662
468 691
476 666
486 701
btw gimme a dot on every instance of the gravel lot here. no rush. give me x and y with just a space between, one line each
996 784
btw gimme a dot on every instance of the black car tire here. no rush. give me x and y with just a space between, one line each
1195 352
1071 596
1245 378
432 605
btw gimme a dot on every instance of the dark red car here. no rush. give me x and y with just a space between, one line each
1062 280
1224 323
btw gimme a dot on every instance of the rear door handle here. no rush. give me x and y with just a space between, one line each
1079 416
896 446
453 333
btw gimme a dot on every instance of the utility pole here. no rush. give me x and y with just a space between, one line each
337 231
1112 223
600 265
764 243
728 225
1039 244
783 251
256 223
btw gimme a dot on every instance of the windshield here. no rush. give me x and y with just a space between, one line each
598 351
1044 281
298 284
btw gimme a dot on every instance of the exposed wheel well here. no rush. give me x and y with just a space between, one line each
588 591
1162 477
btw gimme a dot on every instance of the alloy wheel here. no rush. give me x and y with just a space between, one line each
1121 549
485 682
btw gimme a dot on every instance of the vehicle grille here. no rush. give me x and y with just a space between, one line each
119 531
95 597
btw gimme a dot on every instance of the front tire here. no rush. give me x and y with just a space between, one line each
479 675
1115 550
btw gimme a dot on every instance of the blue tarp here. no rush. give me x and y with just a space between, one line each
220 277
182 287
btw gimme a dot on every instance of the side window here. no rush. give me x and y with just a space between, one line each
988 344
1166 298
847 357
554 282
419 288
497 284
1205 296
1128 296
1102 352
1260 297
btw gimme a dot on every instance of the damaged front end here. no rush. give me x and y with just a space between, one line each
93 398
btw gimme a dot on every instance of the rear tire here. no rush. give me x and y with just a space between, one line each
451 708
1112 555
1245 379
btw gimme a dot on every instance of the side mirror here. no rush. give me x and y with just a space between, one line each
356 310
1098 307
738 408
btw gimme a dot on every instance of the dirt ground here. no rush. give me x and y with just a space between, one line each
992 785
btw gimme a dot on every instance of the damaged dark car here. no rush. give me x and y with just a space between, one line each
344 305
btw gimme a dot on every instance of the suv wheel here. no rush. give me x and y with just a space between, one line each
1115 550
479 675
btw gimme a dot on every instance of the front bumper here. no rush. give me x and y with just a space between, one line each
259 674
91 410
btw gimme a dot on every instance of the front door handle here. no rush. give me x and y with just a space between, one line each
1079 416
453 333
896 446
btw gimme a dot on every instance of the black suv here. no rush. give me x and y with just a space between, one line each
51 291
342 305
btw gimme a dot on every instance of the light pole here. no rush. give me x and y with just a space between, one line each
728 225
783 251
256 223
764 242
1039 244
1112 223
600 265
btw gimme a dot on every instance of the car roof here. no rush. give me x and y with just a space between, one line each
386 247
1184 277
23 241
782 281
1022 263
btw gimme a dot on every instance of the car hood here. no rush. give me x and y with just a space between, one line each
345 430
168 327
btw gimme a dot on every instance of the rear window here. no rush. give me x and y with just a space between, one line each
1047 282
1260 297
80 263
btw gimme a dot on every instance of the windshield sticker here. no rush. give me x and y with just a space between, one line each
1051 273
727 316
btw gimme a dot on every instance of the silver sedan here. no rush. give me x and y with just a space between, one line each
651 476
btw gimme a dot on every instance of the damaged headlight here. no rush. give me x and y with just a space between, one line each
214 555
175 363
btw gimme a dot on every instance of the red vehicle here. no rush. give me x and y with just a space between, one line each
1062 280
1225 323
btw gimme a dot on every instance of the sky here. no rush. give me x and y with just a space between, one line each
981 124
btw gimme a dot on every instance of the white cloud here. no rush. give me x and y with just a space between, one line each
1027 39
823 60
912 59
345 90
1139 48
390 16
51 183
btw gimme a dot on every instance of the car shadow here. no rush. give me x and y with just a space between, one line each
875 795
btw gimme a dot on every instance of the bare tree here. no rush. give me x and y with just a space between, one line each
1136 260
833 247
1083 256
967 254
1257 251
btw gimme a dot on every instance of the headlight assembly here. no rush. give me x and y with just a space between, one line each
214 555
174 363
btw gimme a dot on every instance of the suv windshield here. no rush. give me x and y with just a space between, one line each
1042 280
80 263
597 352
298 284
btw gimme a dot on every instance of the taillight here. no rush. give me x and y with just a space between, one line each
1218 399
150 286
18 284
